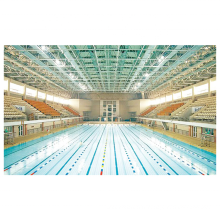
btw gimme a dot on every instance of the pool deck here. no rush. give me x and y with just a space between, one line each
189 140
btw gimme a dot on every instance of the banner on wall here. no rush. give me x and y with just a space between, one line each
196 109
19 107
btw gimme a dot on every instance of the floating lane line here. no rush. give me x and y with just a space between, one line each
55 155
135 153
155 153
116 165
35 153
75 162
56 134
172 153
175 157
103 158
73 154
183 148
129 158
95 153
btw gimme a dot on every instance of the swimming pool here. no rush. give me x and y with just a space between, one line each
108 149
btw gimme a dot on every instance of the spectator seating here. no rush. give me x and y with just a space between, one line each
71 110
168 110
148 110
43 107
18 101
156 110
61 110
11 113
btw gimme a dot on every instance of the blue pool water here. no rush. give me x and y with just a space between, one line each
107 150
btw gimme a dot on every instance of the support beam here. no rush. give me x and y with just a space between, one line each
73 63
144 60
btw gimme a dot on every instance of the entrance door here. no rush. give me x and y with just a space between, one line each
109 113
194 131
20 130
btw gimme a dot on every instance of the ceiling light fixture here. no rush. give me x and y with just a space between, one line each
44 48
146 75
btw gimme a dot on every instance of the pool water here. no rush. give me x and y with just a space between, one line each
107 150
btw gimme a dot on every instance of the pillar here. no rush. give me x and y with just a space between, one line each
24 95
42 126
193 94
25 129
190 128
9 80
209 88
215 135
173 127
53 124
36 98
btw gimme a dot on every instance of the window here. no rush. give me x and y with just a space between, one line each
177 96
201 89
187 93
66 101
56 99
168 98
162 100
208 131
213 85
6 85
16 88
31 92
49 97
41 95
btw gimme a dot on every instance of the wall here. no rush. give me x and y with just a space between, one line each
123 110
95 110
134 106
144 103
74 103
84 105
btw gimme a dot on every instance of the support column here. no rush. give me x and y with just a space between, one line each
42 126
24 95
193 94
215 135
190 127
173 127
25 129
36 98
209 88
53 124
9 80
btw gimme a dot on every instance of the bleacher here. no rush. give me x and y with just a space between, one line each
11 100
199 102
169 109
148 110
43 107
71 110
10 112
154 112
61 110
207 113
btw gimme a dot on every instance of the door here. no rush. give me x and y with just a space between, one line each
20 130
109 112
194 131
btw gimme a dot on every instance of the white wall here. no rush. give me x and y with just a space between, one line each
144 103
74 103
